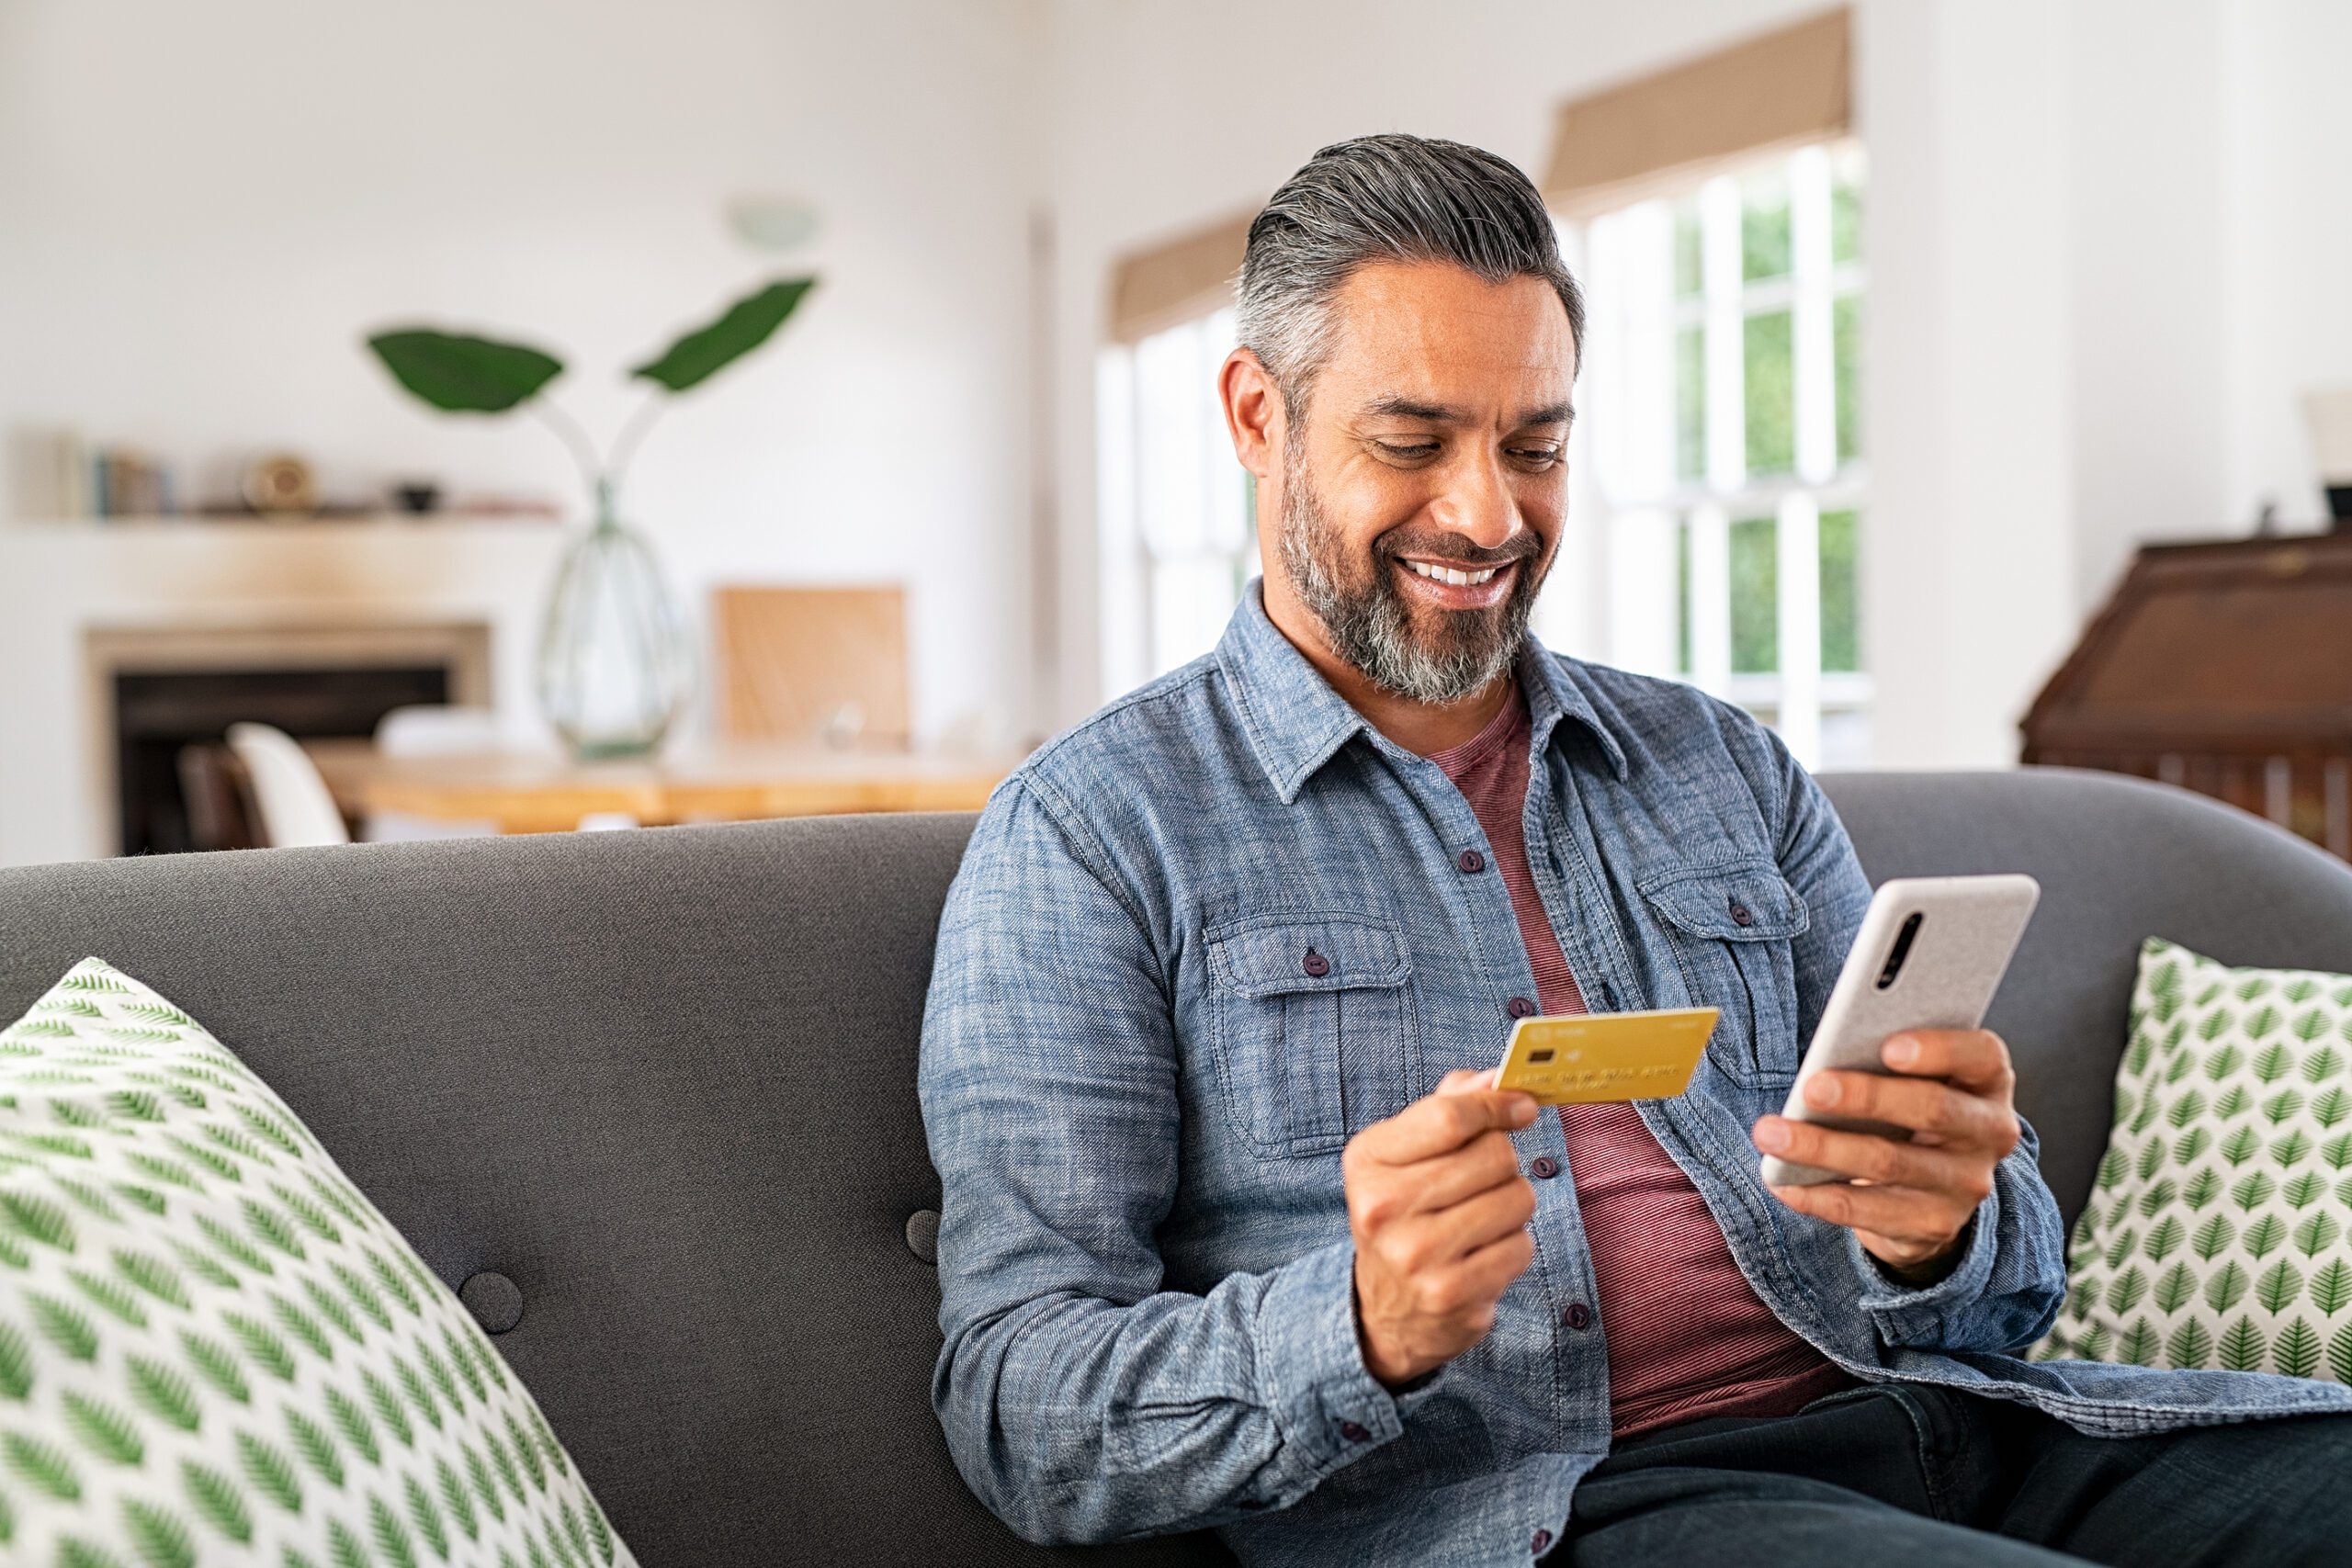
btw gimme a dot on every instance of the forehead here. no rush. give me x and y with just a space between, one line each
1435 332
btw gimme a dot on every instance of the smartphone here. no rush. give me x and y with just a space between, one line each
1931 954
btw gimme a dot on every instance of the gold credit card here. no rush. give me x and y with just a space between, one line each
1586 1059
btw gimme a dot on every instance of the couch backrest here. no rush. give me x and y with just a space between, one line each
663 1082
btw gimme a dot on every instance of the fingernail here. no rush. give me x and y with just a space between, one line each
1903 1051
1522 1112
1771 1135
1823 1091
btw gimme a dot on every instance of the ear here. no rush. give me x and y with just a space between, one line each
1253 411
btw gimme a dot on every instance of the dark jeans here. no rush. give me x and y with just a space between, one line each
1923 1478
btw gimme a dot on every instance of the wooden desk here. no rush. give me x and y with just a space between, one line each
535 793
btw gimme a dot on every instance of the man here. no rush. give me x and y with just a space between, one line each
1237 1232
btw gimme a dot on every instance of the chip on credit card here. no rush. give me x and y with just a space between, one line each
1591 1058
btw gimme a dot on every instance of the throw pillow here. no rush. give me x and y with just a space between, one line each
214 1349
2220 1232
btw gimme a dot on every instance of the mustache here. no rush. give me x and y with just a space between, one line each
1460 552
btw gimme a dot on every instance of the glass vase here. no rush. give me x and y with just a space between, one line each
614 666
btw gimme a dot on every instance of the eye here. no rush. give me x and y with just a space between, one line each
1408 452
1537 456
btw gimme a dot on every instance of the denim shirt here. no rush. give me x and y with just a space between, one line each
1136 1092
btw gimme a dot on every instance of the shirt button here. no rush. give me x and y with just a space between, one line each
1540 1544
1543 1167
1471 861
1353 1432
1578 1316
1740 915
1520 1007
1315 963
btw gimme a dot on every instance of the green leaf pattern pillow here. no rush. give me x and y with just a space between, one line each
214 1350
2220 1232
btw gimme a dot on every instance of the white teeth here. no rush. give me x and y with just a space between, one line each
1447 574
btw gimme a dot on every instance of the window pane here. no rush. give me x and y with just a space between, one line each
1841 646
1754 596
1690 403
1846 335
1689 277
1763 227
1770 395
1846 210
1682 596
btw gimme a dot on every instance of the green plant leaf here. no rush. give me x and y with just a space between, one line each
2175 1287
2304 1188
317 1449
459 372
2202 1189
2225 1287
161 1393
2139 1345
215 1496
111 1296
2184 1110
64 1327
74 1552
343 1547
426 1517
159 1537
2297 1349
302 1325
2242 1346
2339 1354
40 1466
2264 1234
266 1350
391 1540
746 324
388 1407
2253 1190
15 1364
152 1275
36 1219
271 1472
217 1366
2316 1234
485 1489
2279 1285
2332 1286
354 1423
2190 1344
107 1432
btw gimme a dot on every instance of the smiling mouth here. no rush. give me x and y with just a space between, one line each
1448 574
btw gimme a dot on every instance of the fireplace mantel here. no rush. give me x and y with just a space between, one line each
75 597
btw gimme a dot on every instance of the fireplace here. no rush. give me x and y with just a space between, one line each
164 690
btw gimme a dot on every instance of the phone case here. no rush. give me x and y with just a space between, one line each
1968 928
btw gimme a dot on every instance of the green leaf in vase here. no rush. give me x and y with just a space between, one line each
746 324
460 374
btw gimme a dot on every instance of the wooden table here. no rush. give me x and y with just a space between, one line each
545 793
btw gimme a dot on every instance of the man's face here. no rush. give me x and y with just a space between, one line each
1423 492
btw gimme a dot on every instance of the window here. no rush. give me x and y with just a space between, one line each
1723 442
1178 511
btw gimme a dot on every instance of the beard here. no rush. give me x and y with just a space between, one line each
1368 620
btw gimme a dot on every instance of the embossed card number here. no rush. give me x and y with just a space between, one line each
1597 1057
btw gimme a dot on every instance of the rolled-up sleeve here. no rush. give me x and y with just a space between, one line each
1082 1402
2006 1288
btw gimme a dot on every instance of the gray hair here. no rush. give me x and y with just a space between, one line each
1388 197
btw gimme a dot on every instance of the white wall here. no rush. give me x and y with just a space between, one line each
2288 226
203 208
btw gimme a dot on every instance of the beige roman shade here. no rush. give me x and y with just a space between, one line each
1187 277
1778 89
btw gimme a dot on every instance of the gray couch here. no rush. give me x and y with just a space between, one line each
654 1091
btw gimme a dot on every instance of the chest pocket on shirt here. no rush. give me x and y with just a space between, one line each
1732 925
1314 1026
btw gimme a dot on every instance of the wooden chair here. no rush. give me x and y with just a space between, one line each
812 666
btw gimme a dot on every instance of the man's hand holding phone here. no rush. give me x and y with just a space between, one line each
1439 1212
1908 1203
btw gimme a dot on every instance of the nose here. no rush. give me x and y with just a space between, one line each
1475 502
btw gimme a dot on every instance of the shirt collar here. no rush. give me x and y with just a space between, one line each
1295 722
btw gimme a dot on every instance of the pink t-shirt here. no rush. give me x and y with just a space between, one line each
1688 1336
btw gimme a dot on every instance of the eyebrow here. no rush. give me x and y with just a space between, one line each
1561 412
